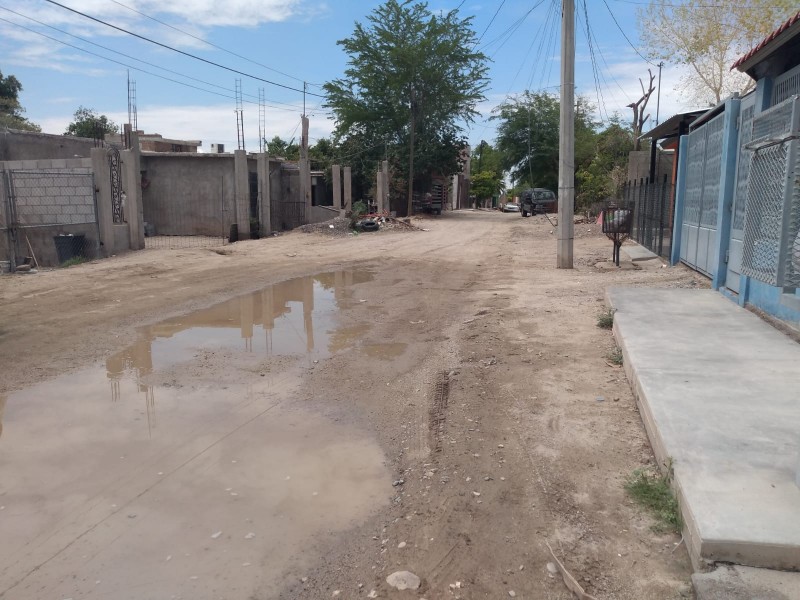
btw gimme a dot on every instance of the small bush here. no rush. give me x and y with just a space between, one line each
615 357
75 260
605 320
651 490
359 209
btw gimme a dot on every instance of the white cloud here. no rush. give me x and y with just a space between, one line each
215 124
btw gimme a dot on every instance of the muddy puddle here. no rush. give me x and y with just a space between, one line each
209 481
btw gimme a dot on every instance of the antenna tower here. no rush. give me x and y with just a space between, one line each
262 119
239 115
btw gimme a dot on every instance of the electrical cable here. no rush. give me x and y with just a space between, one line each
190 55
490 22
635 49
135 68
198 38
77 37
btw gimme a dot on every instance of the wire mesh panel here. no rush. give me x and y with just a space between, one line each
792 267
51 216
785 86
713 169
771 218
695 163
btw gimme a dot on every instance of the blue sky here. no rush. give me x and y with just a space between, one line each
288 42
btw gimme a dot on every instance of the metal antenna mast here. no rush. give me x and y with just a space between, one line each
239 116
262 119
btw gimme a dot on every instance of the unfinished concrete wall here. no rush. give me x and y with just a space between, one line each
52 198
188 194
27 145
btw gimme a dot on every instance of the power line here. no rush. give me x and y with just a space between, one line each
601 105
630 43
129 66
77 37
198 38
490 22
190 55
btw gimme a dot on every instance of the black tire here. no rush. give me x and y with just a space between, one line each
524 213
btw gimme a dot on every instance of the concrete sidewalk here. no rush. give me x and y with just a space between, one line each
719 393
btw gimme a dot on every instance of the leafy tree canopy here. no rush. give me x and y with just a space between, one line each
86 123
11 111
603 177
413 80
527 137
486 184
708 37
280 147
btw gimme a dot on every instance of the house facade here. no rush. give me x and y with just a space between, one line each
737 200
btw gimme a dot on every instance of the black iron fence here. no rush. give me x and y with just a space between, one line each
652 204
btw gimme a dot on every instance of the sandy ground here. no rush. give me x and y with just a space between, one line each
434 401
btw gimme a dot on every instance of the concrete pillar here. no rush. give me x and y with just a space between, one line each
105 214
132 186
336 171
454 199
680 197
348 189
264 195
379 193
305 170
727 190
385 192
241 183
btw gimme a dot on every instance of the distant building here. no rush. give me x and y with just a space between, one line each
155 142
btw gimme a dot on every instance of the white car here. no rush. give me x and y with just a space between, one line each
511 207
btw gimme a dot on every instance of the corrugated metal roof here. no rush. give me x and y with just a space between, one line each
788 23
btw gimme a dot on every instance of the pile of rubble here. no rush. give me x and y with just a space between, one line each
340 226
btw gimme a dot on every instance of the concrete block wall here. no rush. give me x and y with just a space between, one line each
27 145
55 198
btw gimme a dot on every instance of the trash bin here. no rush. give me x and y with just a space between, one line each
69 246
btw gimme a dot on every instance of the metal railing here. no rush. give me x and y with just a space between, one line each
652 209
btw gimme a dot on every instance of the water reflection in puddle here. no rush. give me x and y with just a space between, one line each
293 317
89 493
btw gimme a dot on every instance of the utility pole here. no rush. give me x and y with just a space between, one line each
305 169
658 97
412 126
566 143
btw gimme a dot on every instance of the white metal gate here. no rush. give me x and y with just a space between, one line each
699 228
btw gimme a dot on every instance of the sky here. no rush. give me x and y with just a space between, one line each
291 43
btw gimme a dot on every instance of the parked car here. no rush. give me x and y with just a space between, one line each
538 200
511 207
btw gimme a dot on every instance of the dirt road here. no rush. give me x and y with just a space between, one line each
300 417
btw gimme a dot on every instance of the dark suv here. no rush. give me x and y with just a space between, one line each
537 200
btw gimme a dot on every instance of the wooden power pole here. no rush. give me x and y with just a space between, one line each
566 143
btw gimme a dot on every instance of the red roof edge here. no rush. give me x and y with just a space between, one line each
788 23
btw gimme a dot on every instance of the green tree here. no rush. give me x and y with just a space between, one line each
708 37
486 157
603 177
412 82
486 184
11 110
279 147
86 123
527 137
